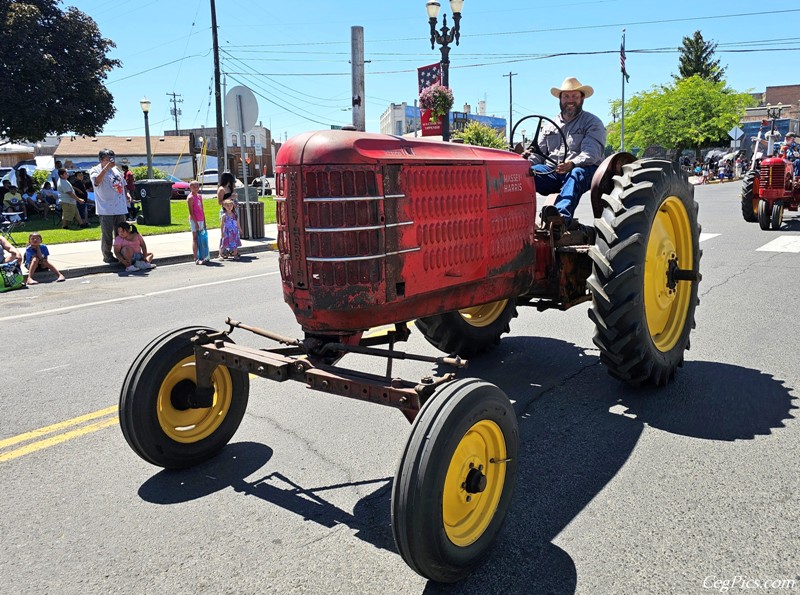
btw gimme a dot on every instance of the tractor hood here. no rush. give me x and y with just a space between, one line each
344 147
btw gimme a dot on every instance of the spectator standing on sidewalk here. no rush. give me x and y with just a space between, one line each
197 221
130 191
110 200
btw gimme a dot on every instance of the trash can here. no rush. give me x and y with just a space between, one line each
256 208
155 195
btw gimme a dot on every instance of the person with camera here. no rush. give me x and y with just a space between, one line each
111 203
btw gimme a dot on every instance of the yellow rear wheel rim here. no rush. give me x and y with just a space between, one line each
665 308
467 515
484 315
192 425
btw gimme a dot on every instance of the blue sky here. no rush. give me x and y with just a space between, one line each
295 55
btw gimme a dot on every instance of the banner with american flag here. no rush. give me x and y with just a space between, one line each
429 75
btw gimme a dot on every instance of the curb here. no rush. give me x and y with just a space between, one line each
166 260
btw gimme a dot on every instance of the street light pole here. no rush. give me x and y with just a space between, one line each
444 38
145 103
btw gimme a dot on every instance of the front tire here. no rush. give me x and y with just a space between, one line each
763 215
470 331
455 479
155 419
645 273
750 192
777 215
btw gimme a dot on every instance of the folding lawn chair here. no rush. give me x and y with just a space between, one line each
9 222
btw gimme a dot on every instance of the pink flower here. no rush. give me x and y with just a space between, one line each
436 98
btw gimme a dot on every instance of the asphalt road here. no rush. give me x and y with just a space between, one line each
619 490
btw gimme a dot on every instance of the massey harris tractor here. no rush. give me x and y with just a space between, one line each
382 230
768 189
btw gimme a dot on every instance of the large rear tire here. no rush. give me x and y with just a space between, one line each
470 331
154 414
750 193
645 273
763 214
455 479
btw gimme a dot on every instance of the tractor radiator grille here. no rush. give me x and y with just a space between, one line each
773 176
342 227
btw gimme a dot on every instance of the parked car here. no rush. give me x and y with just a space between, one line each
209 176
180 189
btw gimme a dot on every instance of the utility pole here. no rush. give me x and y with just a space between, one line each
217 93
357 66
510 76
175 111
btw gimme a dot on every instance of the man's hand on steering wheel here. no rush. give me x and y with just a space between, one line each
565 168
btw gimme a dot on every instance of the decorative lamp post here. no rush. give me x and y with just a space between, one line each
145 103
444 37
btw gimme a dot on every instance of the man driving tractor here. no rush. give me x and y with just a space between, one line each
586 141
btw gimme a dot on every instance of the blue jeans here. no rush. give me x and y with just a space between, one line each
797 168
570 187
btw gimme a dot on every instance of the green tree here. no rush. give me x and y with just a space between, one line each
691 113
697 59
54 67
481 135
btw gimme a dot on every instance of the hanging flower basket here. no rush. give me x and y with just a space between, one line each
438 99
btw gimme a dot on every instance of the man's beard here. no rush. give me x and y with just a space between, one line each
570 110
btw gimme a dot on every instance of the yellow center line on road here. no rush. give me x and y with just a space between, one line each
57 439
33 436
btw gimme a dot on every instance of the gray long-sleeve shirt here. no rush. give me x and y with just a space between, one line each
586 140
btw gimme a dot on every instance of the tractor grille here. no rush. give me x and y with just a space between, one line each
773 176
343 221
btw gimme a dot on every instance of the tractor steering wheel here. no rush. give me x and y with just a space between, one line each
533 147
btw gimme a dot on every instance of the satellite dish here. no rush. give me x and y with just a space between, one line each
244 96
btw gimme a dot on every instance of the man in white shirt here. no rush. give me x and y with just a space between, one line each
110 201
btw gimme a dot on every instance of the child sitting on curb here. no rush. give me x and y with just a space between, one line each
36 258
130 249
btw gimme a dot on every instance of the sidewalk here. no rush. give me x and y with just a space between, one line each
84 258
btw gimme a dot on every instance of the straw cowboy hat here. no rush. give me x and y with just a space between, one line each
572 84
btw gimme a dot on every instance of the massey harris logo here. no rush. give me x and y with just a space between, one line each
512 183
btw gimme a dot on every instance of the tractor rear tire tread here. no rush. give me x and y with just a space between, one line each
618 300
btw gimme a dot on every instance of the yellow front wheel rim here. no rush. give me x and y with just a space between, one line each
670 241
479 460
192 425
481 316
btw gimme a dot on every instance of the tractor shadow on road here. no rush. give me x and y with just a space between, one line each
792 224
237 461
578 426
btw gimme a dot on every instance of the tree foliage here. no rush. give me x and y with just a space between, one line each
697 59
54 67
690 113
481 135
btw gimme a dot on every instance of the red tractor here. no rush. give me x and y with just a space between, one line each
769 189
382 230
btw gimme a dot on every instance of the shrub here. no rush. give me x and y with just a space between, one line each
40 176
140 173
475 133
